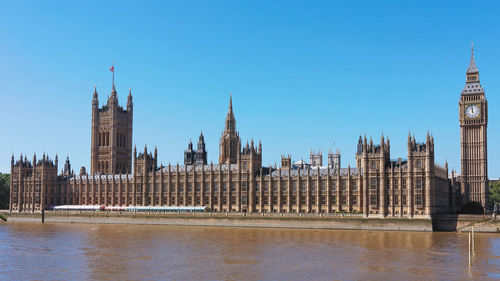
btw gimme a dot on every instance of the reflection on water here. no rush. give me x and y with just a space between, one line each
133 252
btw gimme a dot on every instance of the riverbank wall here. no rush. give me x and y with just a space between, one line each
231 220
347 222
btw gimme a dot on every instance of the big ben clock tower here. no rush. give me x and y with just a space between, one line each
473 116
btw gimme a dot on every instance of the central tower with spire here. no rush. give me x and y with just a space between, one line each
111 138
473 117
230 142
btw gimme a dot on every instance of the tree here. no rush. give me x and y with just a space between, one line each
494 192
4 190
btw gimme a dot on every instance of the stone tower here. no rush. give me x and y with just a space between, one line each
334 160
230 143
111 143
201 152
189 154
316 159
473 116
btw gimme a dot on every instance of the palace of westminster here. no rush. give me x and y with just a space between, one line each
377 187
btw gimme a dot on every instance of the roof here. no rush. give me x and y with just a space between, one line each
472 88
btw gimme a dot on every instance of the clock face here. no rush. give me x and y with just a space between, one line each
472 111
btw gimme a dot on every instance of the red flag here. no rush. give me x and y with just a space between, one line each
112 69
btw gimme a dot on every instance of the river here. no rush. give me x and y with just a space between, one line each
139 252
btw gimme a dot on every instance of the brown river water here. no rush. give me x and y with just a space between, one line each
148 252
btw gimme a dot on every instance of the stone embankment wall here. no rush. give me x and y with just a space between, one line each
232 220
446 223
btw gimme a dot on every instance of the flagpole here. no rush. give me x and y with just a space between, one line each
113 75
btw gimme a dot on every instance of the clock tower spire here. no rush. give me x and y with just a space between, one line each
473 117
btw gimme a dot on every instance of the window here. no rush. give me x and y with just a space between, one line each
243 186
418 164
418 199
373 184
198 187
294 186
418 183
244 200
403 184
216 187
373 165
224 187
343 199
275 186
403 197
354 200
233 187
334 185
313 186
334 199
373 199
284 186
396 184
257 186
396 200
344 185
323 186
303 186
354 186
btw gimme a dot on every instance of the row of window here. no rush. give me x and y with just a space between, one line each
374 183
373 200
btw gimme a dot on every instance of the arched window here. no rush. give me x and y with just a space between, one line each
107 142
418 164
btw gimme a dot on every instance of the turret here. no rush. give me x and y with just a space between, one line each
95 99
130 104
360 146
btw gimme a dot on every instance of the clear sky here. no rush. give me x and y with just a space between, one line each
303 74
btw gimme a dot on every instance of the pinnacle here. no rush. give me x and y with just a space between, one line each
472 65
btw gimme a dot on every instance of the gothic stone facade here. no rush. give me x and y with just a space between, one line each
378 186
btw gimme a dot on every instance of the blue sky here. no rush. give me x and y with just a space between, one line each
303 74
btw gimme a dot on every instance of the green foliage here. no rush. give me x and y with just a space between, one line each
494 192
472 208
4 190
